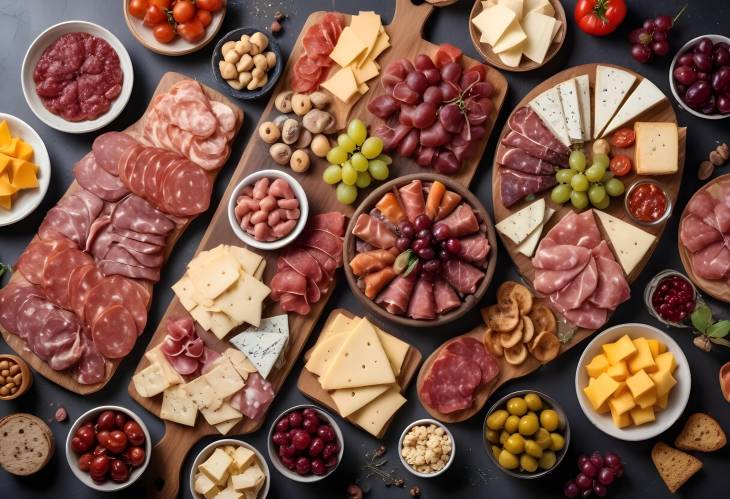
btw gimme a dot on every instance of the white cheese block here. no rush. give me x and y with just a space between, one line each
200 392
226 412
629 242
349 400
657 148
243 457
242 301
240 362
204 485
229 494
493 22
226 426
529 245
374 416
645 96
571 109
177 406
342 84
612 86
519 225
584 98
185 292
216 466
548 107
513 37
262 349
250 478
515 6
248 260
540 31
216 275
157 355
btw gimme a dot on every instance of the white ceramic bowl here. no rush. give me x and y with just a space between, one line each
209 449
677 397
27 200
426 422
298 193
34 53
292 475
73 458
680 102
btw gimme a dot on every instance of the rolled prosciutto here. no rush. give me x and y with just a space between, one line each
396 297
376 281
413 201
422 305
474 248
445 296
463 276
373 232
462 221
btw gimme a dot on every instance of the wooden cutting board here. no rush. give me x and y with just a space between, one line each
406 41
308 383
61 378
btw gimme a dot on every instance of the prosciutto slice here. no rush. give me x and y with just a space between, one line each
474 248
332 222
413 202
519 160
422 304
397 295
696 234
712 262
445 296
557 266
373 232
579 289
461 222
514 185
578 230
526 121
371 261
587 316
462 276
612 289
376 281
535 149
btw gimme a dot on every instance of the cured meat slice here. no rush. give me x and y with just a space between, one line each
206 160
288 281
371 261
328 264
98 181
575 229
557 265
110 147
422 304
58 223
445 296
225 116
118 253
520 160
111 268
712 262
94 204
33 259
32 314
142 237
696 234
186 190
474 248
374 232
332 222
526 121
80 283
463 276
135 214
254 398
413 202
91 368
612 288
587 316
101 237
514 185
473 349
12 297
114 332
702 205
535 149
116 290
187 106
57 340
396 297
302 262
450 383
461 222
323 241
57 271
579 289
290 302
376 281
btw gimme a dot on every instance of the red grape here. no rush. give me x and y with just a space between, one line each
451 72
589 469
571 489
282 425
606 476
701 75
612 459
105 421
710 106
301 439
660 47
310 424
383 106
721 79
99 468
702 61
417 82
422 222
641 53
704 46
424 115
303 465
326 433
433 76
659 36
318 467
432 267
597 459
295 419
600 490
316 447
119 471
402 243
686 75
648 25
331 449
698 94
723 103
403 93
279 438
85 461
663 23
407 229
720 56
583 482
422 62
686 59
634 35
453 246
427 253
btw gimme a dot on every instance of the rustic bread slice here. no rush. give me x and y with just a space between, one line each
26 444
701 433
674 466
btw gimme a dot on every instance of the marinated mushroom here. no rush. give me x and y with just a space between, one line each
320 100
280 153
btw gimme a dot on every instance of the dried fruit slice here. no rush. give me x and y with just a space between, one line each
543 319
528 329
491 341
545 347
501 318
516 355
511 338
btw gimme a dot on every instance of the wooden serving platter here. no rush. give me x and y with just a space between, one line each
309 385
718 289
62 378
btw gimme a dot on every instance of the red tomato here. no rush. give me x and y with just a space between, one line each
191 31
623 137
183 11
138 8
117 442
210 5
154 16
599 17
164 33
162 4
204 16
620 165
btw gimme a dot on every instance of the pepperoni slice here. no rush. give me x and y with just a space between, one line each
306 67
114 332
33 259
473 349
57 271
84 284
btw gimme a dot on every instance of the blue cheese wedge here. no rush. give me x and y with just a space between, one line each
646 96
518 226
612 86
529 245
630 243
584 98
277 324
548 107
571 110
262 349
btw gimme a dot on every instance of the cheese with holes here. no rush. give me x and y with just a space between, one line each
242 301
584 98
646 96
612 86
568 91
177 406
349 400
657 148
548 107
493 22
217 275
629 242
374 416
518 226
540 30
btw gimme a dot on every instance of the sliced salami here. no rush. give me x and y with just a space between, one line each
473 349
33 259
114 332
450 384
109 149
111 268
100 237
98 181
136 214
58 223
91 368
226 117
155 239
58 340
116 290
12 297
254 398
32 314
186 190
189 109
79 287
57 271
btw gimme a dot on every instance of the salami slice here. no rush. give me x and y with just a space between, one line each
58 223
80 285
141 237
58 340
98 181
111 268
186 190
91 368
134 213
450 384
109 149
33 259
32 314
188 108
57 271
473 349
114 332
226 117
116 290
12 297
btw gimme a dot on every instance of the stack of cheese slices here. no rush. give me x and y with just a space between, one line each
358 364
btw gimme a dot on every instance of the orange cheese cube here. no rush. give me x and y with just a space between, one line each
24 174
666 362
641 415
620 420
621 403
654 347
7 188
10 147
5 136
4 162
639 383
661 402
642 359
619 371
597 365
6 202
664 382
620 350
604 387
648 399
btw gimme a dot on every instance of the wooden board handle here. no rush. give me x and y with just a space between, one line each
409 19
163 476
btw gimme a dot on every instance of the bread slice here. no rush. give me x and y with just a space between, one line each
701 433
674 466
26 444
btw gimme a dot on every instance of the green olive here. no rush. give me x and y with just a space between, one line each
549 420
533 449
515 444
496 449
503 437
528 463
512 423
542 437
557 442
492 436
496 420
508 460
534 402
517 406
528 424
547 460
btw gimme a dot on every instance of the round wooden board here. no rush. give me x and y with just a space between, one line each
525 64
718 289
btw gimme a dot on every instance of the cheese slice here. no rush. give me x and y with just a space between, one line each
360 361
323 353
225 412
339 324
374 416
177 406
366 25
381 44
248 260
612 85
155 355
226 426
540 30
548 107
259 273
342 84
349 47
366 72
513 37
629 242
493 22
349 400
529 245
584 98
224 379
657 148
185 292
541 6
151 380
518 226
515 6
220 324
571 110
262 349
243 301
215 276
202 394
511 57
644 97
240 362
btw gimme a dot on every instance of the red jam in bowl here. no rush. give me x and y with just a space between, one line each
673 299
647 202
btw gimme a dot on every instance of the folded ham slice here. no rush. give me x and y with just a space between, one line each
374 232
587 316
535 149
461 222
712 262
696 234
397 295
578 290
422 304
556 266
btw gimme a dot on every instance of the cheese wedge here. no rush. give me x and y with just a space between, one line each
584 98
513 37
612 86
629 242
540 30
493 23
349 400
262 349
349 47
511 57
568 91
529 245
518 226
548 107
374 416
342 84
646 96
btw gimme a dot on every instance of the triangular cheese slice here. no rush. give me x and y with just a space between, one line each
243 301
323 353
584 98
519 225
612 85
349 400
548 107
529 245
630 243
646 96
571 110
262 349
360 361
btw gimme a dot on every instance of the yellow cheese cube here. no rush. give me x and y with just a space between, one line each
620 420
654 347
661 402
342 84
642 415
24 151
642 359
639 383
10 147
5 160
619 371
7 188
656 150
620 350
647 399
664 382
597 365
622 403
24 174
6 202
588 390
662 348
604 387
666 362
5 136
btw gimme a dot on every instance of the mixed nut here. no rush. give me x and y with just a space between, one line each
427 448
10 377
245 64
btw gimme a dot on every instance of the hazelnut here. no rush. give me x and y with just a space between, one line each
705 170
290 131
415 491
305 138
275 27
716 159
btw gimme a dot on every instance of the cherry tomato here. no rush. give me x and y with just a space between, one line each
120 420
99 450
204 16
210 5
599 17
620 165
164 33
183 11
117 442
105 421
99 468
162 4
623 137
134 433
85 461
191 31
119 471
84 439
135 456
138 8
154 16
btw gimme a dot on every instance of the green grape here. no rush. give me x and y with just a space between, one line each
579 182
359 162
332 174
337 155
349 174
346 194
357 131
601 159
603 204
596 194
577 161
579 200
378 169
595 172
346 143
615 187
607 176
564 175
385 159
363 180
561 193
372 147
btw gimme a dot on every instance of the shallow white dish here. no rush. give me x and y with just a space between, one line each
677 397
421 422
210 448
73 458
27 200
36 49
298 193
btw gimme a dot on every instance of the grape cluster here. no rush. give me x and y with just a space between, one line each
702 77
581 185
651 38
597 473
355 161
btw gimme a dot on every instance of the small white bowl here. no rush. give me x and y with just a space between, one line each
27 200
426 422
299 193
73 458
34 53
210 448
677 397
291 474
680 102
